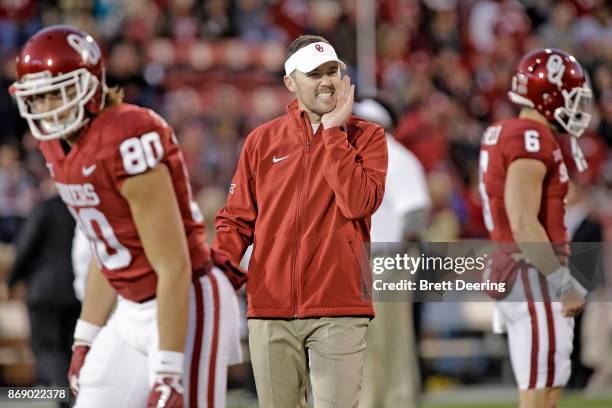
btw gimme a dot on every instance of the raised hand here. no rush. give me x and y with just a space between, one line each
344 105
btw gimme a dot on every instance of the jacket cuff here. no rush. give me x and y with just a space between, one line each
335 132
236 275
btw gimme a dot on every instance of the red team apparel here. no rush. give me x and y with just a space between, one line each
124 141
540 337
309 262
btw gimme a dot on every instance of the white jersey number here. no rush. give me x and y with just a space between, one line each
110 252
140 153
532 141
486 206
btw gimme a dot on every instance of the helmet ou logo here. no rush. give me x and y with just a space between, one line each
86 47
555 68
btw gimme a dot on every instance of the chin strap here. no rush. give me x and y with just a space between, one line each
581 163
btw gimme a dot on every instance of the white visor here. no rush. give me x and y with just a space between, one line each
310 57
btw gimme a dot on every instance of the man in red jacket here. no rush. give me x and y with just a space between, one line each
306 186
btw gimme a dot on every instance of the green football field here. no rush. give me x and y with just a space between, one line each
240 400
575 401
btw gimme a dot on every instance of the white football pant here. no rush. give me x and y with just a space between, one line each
540 338
119 369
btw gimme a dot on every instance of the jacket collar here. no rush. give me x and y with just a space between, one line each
296 115
293 109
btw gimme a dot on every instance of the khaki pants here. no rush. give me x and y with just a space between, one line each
329 350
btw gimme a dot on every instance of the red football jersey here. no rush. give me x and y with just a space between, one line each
501 144
120 142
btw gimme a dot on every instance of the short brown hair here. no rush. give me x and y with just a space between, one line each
113 96
301 42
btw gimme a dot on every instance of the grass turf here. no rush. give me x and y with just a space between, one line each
573 401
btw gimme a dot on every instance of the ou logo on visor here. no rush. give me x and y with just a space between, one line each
86 47
319 47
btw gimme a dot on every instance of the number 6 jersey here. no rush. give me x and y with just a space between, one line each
122 141
501 144
513 139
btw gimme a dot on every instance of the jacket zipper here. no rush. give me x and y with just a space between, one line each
303 181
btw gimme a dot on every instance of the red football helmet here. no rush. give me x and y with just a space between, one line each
65 62
552 82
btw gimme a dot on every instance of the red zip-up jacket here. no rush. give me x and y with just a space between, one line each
305 202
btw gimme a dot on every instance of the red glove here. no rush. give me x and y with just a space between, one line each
167 392
84 335
79 352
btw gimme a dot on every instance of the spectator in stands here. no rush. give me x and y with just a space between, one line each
422 131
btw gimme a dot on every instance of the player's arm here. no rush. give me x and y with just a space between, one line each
97 306
99 296
156 213
522 199
357 178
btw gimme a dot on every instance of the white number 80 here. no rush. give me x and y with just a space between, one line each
138 154
110 252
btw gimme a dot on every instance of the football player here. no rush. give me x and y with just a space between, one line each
523 182
119 169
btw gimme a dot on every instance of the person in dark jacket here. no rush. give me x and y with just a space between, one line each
43 263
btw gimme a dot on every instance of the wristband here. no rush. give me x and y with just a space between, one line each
580 290
170 362
560 279
85 332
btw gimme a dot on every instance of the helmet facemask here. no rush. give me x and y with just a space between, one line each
76 89
574 119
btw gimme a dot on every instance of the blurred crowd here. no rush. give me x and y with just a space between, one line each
213 70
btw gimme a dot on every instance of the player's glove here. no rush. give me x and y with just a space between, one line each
84 335
167 391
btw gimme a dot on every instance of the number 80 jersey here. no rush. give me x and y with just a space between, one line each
122 141
513 139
